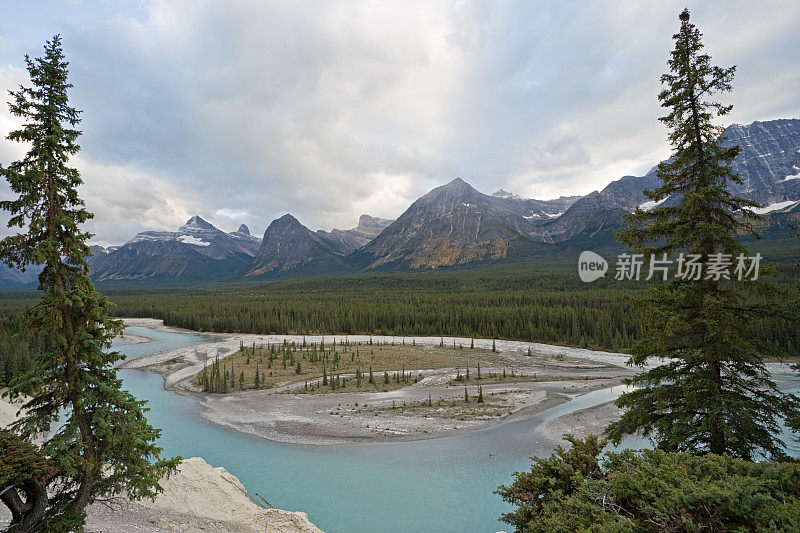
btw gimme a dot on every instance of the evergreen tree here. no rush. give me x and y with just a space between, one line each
104 444
466 395
371 378
480 394
204 379
298 369
714 393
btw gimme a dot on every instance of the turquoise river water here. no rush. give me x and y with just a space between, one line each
440 485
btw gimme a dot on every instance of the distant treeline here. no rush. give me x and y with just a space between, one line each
549 306
545 307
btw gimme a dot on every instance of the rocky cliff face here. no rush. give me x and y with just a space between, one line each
451 225
769 165
200 497
537 210
290 247
350 240
769 160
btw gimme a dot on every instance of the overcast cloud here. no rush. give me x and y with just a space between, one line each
241 111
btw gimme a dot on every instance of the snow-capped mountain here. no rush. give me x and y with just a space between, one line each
452 225
198 250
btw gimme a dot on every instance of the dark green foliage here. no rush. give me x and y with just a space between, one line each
105 445
651 490
549 307
549 304
480 394
26 468
714 394
18 347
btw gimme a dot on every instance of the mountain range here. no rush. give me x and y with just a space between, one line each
451 226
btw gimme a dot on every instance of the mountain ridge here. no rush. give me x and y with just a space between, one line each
452 225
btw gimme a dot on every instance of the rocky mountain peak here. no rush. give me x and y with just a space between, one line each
243 229
370 222
458 185
502 193
285 222
196 223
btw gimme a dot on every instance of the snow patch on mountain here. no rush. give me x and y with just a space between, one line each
194 241
650 204
774 207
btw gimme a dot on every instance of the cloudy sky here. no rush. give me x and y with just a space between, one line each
243 110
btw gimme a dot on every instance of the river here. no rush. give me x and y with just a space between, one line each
435 485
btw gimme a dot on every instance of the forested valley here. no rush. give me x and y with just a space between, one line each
547 304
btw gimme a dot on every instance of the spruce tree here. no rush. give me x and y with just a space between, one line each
102 444
713 392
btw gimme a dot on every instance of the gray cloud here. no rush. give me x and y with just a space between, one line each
242 111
